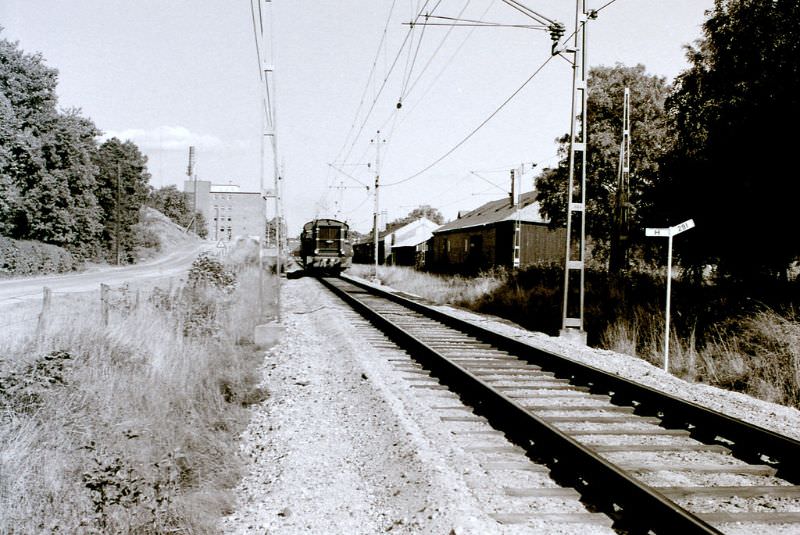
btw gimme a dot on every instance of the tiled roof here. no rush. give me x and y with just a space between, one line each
496 211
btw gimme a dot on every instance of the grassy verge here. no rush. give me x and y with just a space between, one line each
131 427
440 289
720 335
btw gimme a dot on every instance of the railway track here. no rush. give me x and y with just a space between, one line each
650 461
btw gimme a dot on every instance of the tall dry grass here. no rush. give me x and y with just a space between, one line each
758 354
440 289
130 427
716 337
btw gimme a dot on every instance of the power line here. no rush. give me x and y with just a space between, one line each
475 130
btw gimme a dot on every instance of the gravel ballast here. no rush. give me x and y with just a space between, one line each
356 438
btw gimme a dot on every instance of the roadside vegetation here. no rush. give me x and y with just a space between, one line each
719 336
62 183
131 427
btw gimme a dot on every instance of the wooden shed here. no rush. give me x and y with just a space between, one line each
484 238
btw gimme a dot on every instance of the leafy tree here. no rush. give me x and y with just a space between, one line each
649 140
46 169
424 210
731 167
122 189
27 104
173 204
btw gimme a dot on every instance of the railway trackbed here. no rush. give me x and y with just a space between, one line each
648 460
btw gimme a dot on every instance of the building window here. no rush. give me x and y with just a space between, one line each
466 245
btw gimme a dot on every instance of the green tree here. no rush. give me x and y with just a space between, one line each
122 189
27 106
649 141
46 169
731 167
421 211
173 204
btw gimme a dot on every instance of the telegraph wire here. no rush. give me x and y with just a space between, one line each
477 128
257 40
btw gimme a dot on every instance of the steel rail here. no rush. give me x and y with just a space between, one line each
746 441
641 505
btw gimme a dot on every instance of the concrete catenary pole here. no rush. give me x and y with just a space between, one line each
574 260
376 211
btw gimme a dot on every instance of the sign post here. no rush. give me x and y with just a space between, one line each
668 233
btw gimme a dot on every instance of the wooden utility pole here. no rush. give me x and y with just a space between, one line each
116 217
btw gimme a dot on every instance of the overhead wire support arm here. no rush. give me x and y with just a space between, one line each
348 175
454 21
538 17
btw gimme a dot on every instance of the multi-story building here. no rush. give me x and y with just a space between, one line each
228 211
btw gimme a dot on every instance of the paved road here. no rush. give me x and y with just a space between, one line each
170 264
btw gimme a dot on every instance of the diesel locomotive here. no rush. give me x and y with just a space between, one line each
325 246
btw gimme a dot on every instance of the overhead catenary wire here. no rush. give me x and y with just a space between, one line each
538 17
598 10
369 79
382 86
394 114
476 129
257 41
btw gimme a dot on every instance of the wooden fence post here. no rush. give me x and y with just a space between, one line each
104 304
42 323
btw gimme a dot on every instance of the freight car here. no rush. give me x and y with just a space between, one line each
325 246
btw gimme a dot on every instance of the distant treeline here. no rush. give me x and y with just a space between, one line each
59 184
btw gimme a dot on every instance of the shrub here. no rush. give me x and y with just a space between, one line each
19 257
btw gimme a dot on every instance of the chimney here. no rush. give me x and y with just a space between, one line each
511 195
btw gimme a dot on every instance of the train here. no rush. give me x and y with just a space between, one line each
325 247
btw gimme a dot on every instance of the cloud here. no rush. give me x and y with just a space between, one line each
166 138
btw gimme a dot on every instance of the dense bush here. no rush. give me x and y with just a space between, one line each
19 257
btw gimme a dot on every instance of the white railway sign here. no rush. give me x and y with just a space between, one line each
668 232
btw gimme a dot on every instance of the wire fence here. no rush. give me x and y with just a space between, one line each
31 316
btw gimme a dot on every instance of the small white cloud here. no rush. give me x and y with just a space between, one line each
166 138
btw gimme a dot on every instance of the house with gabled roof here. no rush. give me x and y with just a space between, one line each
397 246
483 238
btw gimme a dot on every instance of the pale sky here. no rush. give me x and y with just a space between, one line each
172 73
